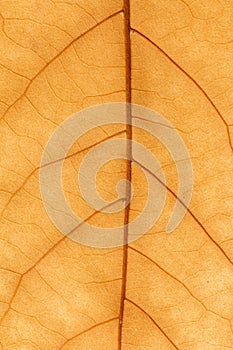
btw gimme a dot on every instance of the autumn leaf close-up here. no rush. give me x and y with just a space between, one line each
116 174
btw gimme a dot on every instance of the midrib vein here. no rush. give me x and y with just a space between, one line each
129 164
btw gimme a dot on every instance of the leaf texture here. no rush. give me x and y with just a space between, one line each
163 291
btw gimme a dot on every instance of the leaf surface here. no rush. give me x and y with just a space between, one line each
163 291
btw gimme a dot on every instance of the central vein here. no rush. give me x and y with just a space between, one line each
129 163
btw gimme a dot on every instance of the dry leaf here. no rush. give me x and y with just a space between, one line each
163 291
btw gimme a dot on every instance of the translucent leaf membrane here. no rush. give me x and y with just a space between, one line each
162 291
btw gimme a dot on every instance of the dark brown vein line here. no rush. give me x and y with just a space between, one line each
188 210
192 79
168 274
56 161
153 321
129 165
49 251
55 57
88 330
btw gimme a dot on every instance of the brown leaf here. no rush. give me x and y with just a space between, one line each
162 291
